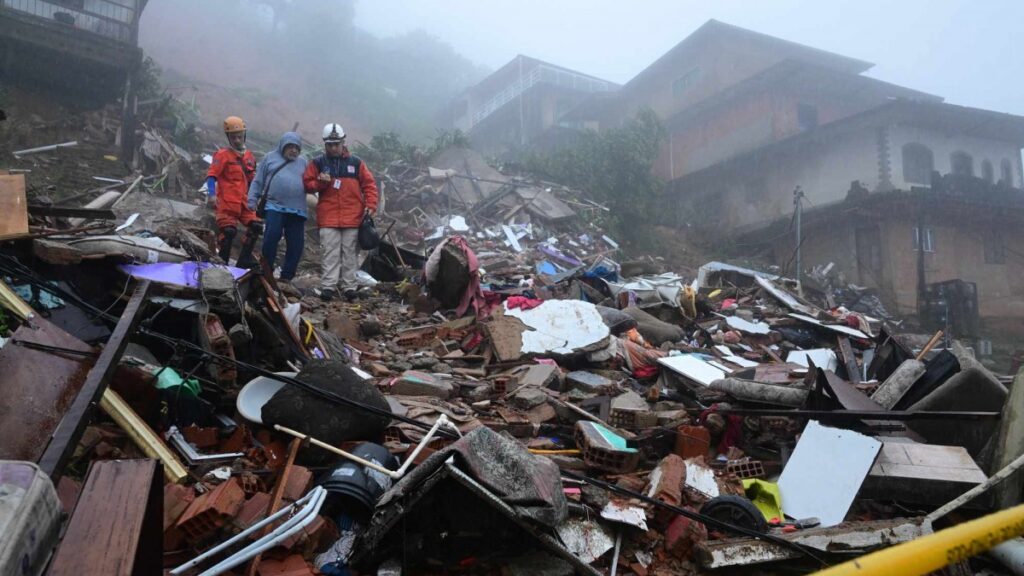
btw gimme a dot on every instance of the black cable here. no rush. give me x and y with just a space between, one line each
330 396
702 518
55 349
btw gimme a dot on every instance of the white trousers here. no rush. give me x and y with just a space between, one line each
340 247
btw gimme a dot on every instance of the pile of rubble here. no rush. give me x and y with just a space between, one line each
504 397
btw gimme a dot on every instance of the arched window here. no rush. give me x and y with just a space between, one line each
1006 172
962 164
986 172
918 164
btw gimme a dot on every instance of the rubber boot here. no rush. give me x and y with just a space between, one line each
245 257
227 238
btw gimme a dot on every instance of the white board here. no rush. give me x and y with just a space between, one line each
822 358
825 473
741 361
561 327
737 323
693 368
833 327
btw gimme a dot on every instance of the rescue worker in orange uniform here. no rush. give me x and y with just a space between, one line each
228 180
346 192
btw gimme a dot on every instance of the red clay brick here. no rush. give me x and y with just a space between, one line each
177 499
212 511
67 492
293 565
666 485
682 535
252 511
298 481
201 438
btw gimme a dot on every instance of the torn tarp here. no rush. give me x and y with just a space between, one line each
183 274
530 484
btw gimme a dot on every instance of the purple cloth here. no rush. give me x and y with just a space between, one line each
180 274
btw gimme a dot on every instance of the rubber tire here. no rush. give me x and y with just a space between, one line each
735 510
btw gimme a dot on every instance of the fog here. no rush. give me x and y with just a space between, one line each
968 52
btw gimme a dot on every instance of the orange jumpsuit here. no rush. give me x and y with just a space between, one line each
234 173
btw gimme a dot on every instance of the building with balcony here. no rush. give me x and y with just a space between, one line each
87 46
522 104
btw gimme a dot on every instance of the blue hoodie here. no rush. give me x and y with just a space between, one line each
286 193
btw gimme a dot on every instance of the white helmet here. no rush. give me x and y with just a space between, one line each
333 132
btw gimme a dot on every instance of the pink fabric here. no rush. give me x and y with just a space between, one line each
474 296
523 303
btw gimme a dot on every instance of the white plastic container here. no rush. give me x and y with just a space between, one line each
30 517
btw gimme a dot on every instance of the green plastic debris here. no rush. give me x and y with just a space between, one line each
765 496
168 378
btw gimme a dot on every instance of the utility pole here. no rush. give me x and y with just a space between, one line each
798 196
522 94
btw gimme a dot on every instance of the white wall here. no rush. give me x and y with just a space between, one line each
823 171
943 146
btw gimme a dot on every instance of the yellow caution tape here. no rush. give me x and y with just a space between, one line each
932 552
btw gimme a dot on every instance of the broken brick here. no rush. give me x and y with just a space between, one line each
212 511
252 511
293 565
666 485
201 438
298 482
177 499
67 492
682 535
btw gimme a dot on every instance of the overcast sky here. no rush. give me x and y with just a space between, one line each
970 52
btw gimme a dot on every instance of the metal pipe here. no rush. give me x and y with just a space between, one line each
972 493
177 439
280 534
245 533
935 551
615 555
393 474
27 151
1011 555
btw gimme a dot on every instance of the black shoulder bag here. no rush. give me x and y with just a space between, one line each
261 203
369 238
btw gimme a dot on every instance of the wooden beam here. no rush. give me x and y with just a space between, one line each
275 497
65 212
116 526
849 360
70 429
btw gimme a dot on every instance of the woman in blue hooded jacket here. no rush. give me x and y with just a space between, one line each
279 176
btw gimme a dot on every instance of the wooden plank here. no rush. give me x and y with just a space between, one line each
70 429
115 529
64 212
771 353
848 397
39 387
922 473
278 313
13 206
849 360
276 496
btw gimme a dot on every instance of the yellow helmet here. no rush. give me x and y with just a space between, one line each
233 124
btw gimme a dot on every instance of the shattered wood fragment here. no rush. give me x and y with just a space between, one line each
852 537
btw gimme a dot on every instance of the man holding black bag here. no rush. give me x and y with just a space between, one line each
278 196
347 200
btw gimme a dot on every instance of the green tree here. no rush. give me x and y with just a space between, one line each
612 167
